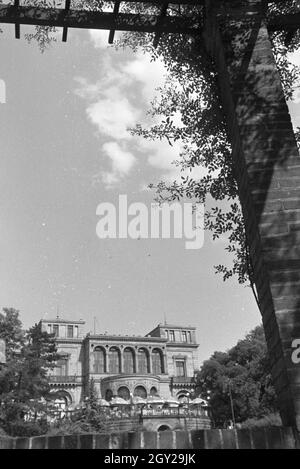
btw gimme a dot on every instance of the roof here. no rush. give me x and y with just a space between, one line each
62 321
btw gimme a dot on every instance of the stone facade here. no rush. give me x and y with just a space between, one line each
163 362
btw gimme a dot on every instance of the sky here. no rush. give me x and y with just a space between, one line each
65 149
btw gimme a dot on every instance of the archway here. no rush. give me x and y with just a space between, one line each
153 391
143 361
61 399
163 428
114 360
140 391
99 356
128 357
183 396
124 393
157 362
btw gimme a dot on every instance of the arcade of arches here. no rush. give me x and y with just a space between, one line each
129 361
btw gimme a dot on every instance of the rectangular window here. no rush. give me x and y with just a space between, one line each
189 336
55 330
62 367
180 368
184 336
70 333
76 331
49 329
172 336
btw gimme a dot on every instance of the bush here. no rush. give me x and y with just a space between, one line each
21 428
68 427
271 420
3 432
85 421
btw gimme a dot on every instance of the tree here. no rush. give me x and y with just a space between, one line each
244 372
24 386
11 331
90 418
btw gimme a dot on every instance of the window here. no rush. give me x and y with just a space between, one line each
76 331
140 391
128 361
143 361
172 336
180 368
114 360
189 336
153 391
99 360
184 336
70 332
56 330
62 367
123 392
157 367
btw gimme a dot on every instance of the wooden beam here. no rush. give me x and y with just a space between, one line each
57 17
17 25
112 31
160 24
65 30
69 18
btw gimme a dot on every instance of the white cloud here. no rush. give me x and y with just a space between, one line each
113 115
149 74
99 38
119 100
121 161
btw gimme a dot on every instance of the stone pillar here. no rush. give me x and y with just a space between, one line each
121 359
267 168
150 360
135 361
165 362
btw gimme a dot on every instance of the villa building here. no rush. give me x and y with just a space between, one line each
163 362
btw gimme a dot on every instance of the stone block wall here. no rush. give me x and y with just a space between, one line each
267 168
262 438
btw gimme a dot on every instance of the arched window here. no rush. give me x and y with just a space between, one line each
153 391
182 396
124 393
157 364
114 360
143 363
163 428
140 391
128 360
99 360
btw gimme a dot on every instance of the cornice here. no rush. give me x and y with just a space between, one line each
118 338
